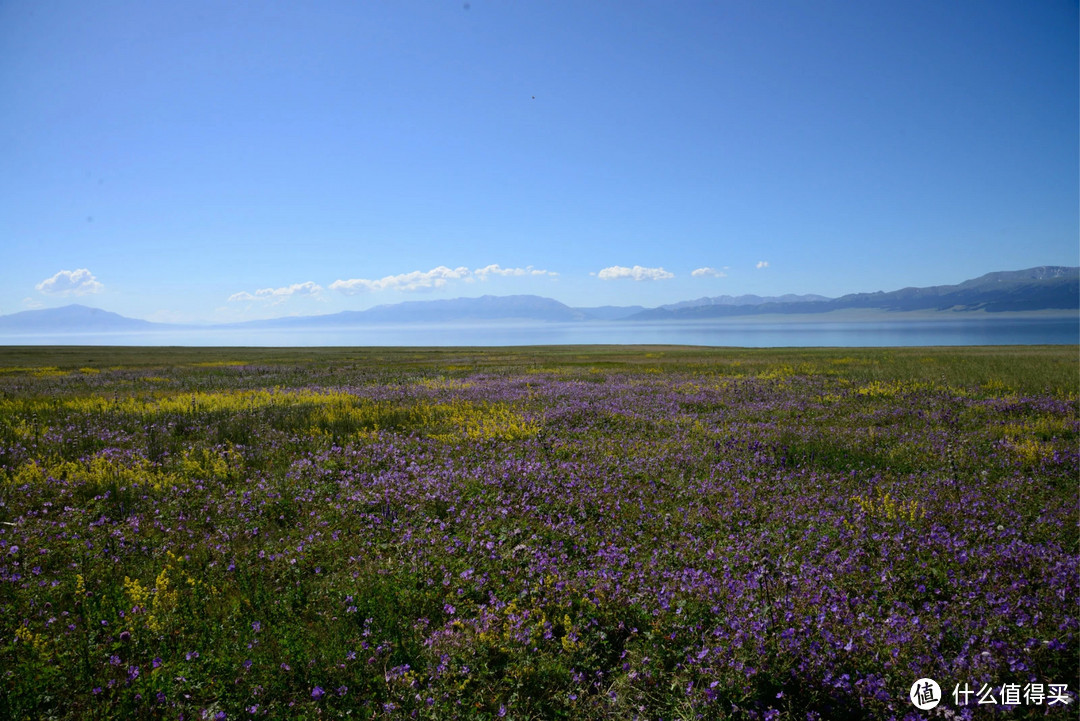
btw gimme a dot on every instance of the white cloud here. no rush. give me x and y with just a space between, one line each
708 272
617 272
279 295
762 264
71 282
431 279
495 269
32 304
416 280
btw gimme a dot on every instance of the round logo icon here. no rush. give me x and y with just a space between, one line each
925 694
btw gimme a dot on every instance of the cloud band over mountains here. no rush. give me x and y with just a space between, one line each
278 295
638 273
441 276
432 279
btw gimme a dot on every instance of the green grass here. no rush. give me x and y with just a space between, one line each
1019 369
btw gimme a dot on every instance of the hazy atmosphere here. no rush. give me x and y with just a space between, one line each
210 161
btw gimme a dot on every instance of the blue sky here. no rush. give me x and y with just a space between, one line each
231 160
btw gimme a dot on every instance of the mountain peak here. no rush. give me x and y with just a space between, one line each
71 318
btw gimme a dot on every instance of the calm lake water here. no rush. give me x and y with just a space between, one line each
752 334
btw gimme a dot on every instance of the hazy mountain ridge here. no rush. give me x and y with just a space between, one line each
74 318
1042 288
1033 289
611 312
484 308
748 299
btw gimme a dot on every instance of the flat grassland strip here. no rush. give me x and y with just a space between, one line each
549 532
1022 368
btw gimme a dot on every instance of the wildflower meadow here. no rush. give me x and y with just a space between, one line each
538 533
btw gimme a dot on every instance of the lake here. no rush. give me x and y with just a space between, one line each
751 333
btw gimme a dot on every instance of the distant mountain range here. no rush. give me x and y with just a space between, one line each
745 300
485 308
1034 289
74 319
1042 288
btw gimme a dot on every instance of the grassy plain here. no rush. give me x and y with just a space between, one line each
549 532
